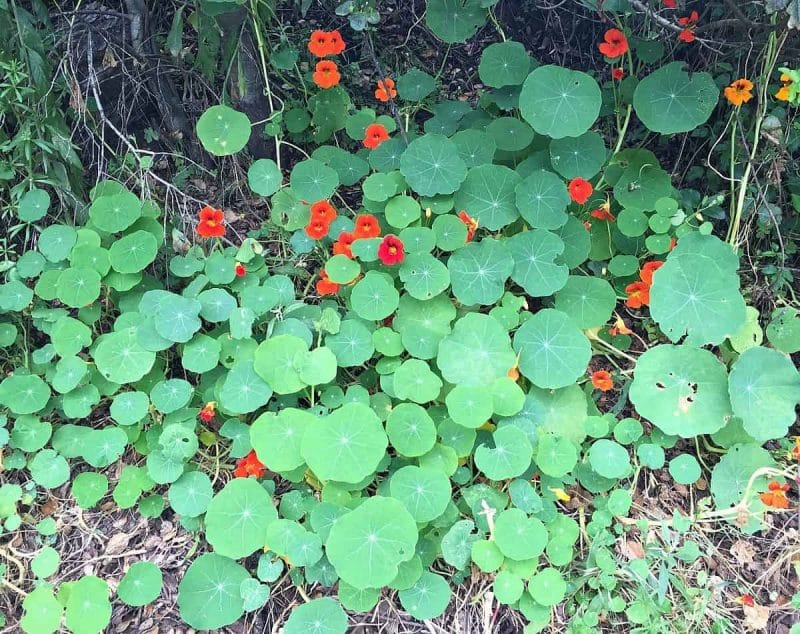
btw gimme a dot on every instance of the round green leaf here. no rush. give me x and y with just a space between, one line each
415 85
784 330
134 252
510 456
190 494
141 584
223 131
243 390
684 469
553 352
427 598
116 212
277 438
424 276
510 134
475 147
77 288
609 459
33 205
518 536
431 165
45 563
542 199
320 616
278 361
488 195
88 610
312 180
683 391
209 594
374 297
560 102
547 587
352 345
414 381
556 455
504 64
410 429
589 301
88 488
535 266
264 177
128 408
455 21
424 492
24 393
581 156
479 270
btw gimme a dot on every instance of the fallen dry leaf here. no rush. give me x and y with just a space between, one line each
117 544
743 551
631 549
756 617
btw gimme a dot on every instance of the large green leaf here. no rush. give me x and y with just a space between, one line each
209 595
670 100
479 270
560 102
431 165
504 64
488 195
542 199
535 266
455 21
223 131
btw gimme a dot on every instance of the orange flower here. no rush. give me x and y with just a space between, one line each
336 44
374 135
250 465
385 90
342 245
472 224
646 274
638 295
207 413
390 251
319 44
326 74
240 270
619 328
211 223
367 227
783 92
687 34
324 211
317 229
670 4
513 373
746 599
617 73
739 92
602 380
673 242
775 496
579 190
615 45
795 452
324 284
603 212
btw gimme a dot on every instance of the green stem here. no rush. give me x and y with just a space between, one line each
263 58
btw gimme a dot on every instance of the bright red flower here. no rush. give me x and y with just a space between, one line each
240 270
646 274
670 4
579 190
324 211
211 224
207 413
324 284
317 229
250 465
687 34
472 224
638 295
746 599
617 73
602 380
603 212
385 90
775 496
319 44
374 135
366 227
615 45
326 74
336 44
390 250
342 245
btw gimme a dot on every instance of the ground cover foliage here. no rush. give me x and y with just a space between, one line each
467 339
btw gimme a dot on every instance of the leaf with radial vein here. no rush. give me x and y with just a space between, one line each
424 276
581 156
120 358
764 387
319 616
542 199
374 297
535 267
431 165
696 292
423 324
455 21
237 518
589 301
209 597
560 102
477 352
243 390
424 492
133 252
553 352
682 390
504 64
367 545
488 195
510 456
346 445
277 438
479 270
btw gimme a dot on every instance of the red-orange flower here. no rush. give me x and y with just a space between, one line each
739 92
374 135
775 496
250 465
336 44
638 295
687 34
324 284
342 244
326 74
324 211
211 224
795 452
317 229
579 190
390 250
240 270
673 242
615 44
617 73
207 413
619 328
472 224
670 4
746 599
602 380
366 227
319 44
385 89
646 274
603 212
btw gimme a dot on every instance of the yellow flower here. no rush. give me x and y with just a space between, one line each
739 92
560 494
